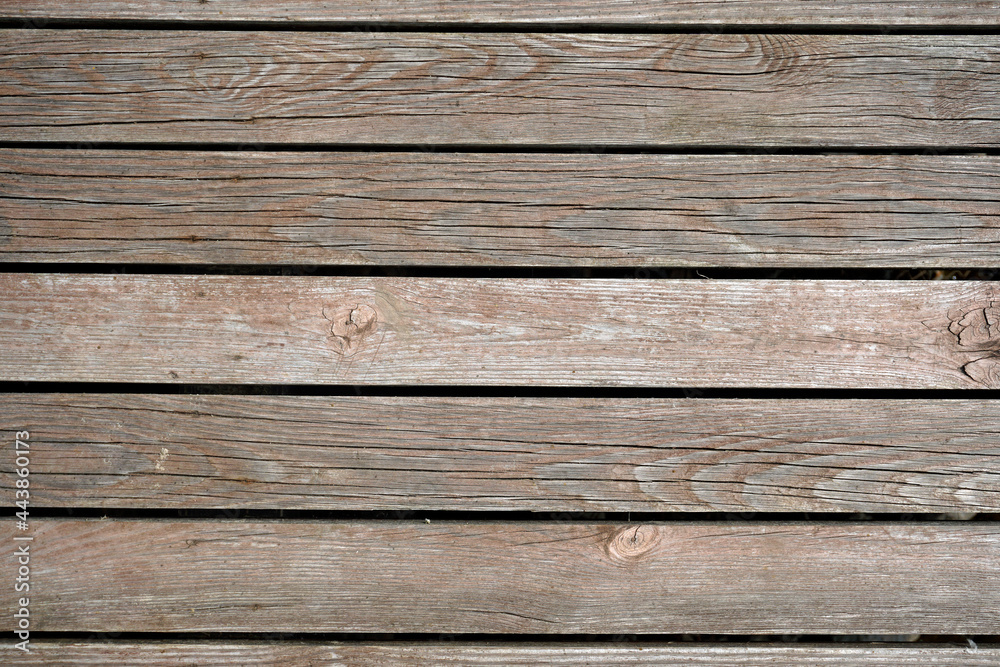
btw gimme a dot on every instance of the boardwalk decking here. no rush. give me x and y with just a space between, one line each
570 332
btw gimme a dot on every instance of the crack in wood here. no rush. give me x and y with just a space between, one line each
350 325
985 371
979 330
631 544
979 327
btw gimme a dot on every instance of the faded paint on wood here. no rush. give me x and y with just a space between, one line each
488 209
544 454
405 654
384 331
496 577
541 14
498 88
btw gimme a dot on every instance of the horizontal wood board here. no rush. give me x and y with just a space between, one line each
403 654
474 454
721 77
543 14
545 332
482 209
501 577
501 89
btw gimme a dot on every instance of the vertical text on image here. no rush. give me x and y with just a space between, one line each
22 498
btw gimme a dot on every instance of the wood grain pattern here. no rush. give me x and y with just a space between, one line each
545 454
502 89
273 329
402 654
498 577
543 13
489 209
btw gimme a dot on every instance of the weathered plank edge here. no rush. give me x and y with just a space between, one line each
548 454
543 14
871 577
313 654
478 88
460 209
464 331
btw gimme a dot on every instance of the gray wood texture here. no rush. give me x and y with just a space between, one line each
503 89
498 209
543 454
540 14
349 82
384 331
500 577
402 654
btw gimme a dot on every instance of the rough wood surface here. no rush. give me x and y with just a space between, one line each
401 654
296 329
551 454
542 13
499 88
490 209
498 577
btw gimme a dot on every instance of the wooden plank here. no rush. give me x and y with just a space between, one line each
498 577
460 209
296 329
544 13
500 88
551 454
409 654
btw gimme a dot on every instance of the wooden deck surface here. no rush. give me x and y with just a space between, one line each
298 654
512 209
456 577
354 333
409 331
500 89
546 13
544 454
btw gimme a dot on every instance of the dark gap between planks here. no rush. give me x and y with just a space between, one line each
493 391
983 641
558 149
521 516
524 27
582 273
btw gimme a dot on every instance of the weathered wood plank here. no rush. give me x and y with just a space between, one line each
497 88
552 454
498 577
462 209
295 654
274 329
543 13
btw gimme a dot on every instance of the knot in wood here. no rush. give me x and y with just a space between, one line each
979 328
352 324
632 543
985 371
